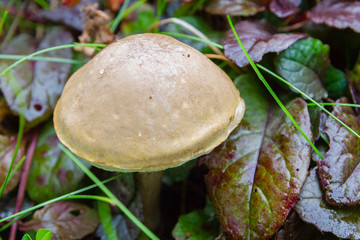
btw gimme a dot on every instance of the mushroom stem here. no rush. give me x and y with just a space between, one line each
149 186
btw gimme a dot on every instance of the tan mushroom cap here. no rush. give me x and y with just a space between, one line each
146 102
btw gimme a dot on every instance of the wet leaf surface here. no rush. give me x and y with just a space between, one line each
337 13
52 172
65 220
343 221
296 229
255 176
34 87
7 149
340 168
284 8
257 40
304 65
236 7
335 82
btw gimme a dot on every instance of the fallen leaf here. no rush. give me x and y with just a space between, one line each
52 172
236 7
255 176
7 149
340 168
296 229
304 65
70 3
284 8
257 40
65 220
343 221
70 16
337 13
34 87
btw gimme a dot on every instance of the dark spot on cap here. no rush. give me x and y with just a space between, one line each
188 55
150 97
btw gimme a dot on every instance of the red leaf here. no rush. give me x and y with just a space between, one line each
337 13
70 3
257 41
284 8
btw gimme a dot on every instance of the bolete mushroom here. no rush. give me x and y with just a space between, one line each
146 103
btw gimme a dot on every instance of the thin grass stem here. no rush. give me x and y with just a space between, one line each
61 198
48 50
18 142
133 7
109 194
181 35
336 104
310 99
258 73
41 58
115 23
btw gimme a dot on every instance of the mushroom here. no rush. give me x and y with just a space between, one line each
144 104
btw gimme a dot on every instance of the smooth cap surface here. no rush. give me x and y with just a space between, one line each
146 102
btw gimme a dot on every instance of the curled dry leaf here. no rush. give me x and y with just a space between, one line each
257 40
7 149
65 220
284 8
340 169
236 7
255 176
34 87
343 221
337 13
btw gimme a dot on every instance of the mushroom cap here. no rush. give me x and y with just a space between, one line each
146 102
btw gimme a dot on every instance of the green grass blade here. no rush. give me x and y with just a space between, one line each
335 104
41 58
61 198
310 99
109 194
48 50
115 23
258 73
18 142
181 35
104 212
133 7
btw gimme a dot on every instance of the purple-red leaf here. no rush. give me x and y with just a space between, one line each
284 8
255 176
236 7
34 87
337 13
343 221
257 40
340 169
65 220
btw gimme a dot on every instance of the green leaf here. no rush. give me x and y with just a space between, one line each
43 234
65 220
197 225
343 221
339 170
52 172
26 237
255 176
304 65
144 16
335 82
104 212
34 87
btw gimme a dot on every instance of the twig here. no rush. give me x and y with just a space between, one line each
228 61
188 27
23 181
